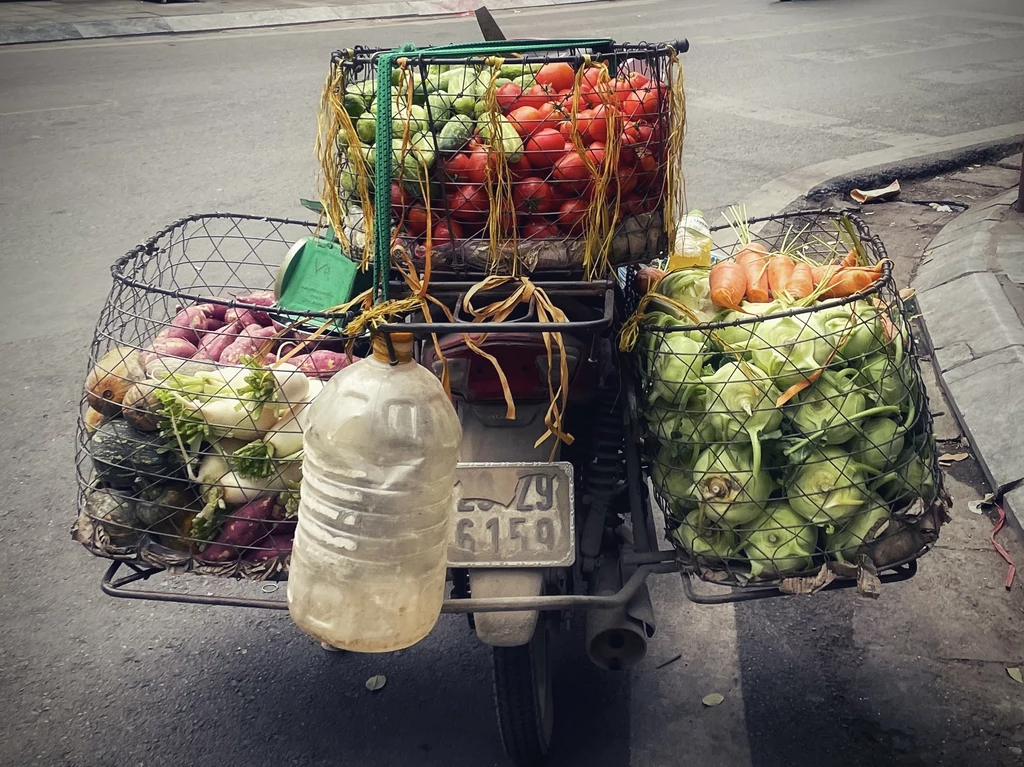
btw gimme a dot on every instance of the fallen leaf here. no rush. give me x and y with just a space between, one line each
907 293
717 698
1015 675
927 252
376 682
953 457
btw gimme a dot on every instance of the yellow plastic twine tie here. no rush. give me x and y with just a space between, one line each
675 181
501 207
333 120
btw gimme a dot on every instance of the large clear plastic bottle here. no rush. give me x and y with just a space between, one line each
693 242
367 571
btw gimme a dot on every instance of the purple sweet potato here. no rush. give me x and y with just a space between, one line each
244 527
243 317
243 346
215 311
213 323
271 547
168 347
215 342
257 298
187 325
321 363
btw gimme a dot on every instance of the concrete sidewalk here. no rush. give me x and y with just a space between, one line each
970 289
37 22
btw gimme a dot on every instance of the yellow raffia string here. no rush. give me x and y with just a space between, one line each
501 207
333 119
497 311
675 182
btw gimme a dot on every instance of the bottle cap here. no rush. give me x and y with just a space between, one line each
402 343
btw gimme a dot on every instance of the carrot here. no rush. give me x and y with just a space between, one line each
851 280
753 257
850 259
801 282
780 269
728 283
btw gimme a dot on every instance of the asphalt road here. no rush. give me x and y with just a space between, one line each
102 144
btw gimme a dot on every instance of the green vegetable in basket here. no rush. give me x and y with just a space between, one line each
455 133
911 479
676 364
688 287
865 526
740 403
354 104
780 542
366 128
733 338
828 411
414 116
671 424
878 444
883 379
829 487
704 541
673 479
790 349
439 110
727 488
511 141
466 81
854 330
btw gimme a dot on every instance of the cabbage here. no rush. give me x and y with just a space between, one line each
780 542
878 444
863 333
829 487
690 288
844 542
727 489
740 404
705 541
676 363
789 349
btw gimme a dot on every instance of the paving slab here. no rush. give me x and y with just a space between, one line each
947 262
991 175
989 393
970 310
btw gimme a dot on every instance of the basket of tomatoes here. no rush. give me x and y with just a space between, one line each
506 156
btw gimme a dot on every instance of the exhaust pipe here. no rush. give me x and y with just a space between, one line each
617 638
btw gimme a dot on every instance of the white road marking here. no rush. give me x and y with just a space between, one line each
57 109
905 47
973 74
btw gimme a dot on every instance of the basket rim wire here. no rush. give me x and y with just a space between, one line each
910 431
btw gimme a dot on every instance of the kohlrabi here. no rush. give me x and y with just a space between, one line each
878 443
779 542
829 487
676 363
740 405
854 330
704 541
867 525
828 412
727 489
790 349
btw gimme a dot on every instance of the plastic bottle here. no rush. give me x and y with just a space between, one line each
692 245
367 570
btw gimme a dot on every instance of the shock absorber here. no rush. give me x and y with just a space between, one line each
603 475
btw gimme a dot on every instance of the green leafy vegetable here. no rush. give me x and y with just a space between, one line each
780 542
255 460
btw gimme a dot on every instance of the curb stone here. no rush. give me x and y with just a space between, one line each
213 22
977 337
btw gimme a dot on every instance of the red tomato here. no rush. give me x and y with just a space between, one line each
400 198
540 230
592 77
553 114
593 124
526 120
416 220
572 172
532 195
571 216
507 95
445 231
626 178
476 166
637 81
521 168
565 128
455 166
534 97
469 203
559 76
544 148
641 105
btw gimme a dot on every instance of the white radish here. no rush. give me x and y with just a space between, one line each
292 384
227 417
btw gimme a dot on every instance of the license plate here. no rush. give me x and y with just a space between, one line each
513 515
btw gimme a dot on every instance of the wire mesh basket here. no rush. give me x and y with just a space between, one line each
782 441
189 445
506 156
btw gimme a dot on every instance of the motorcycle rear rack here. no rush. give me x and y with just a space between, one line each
643 565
